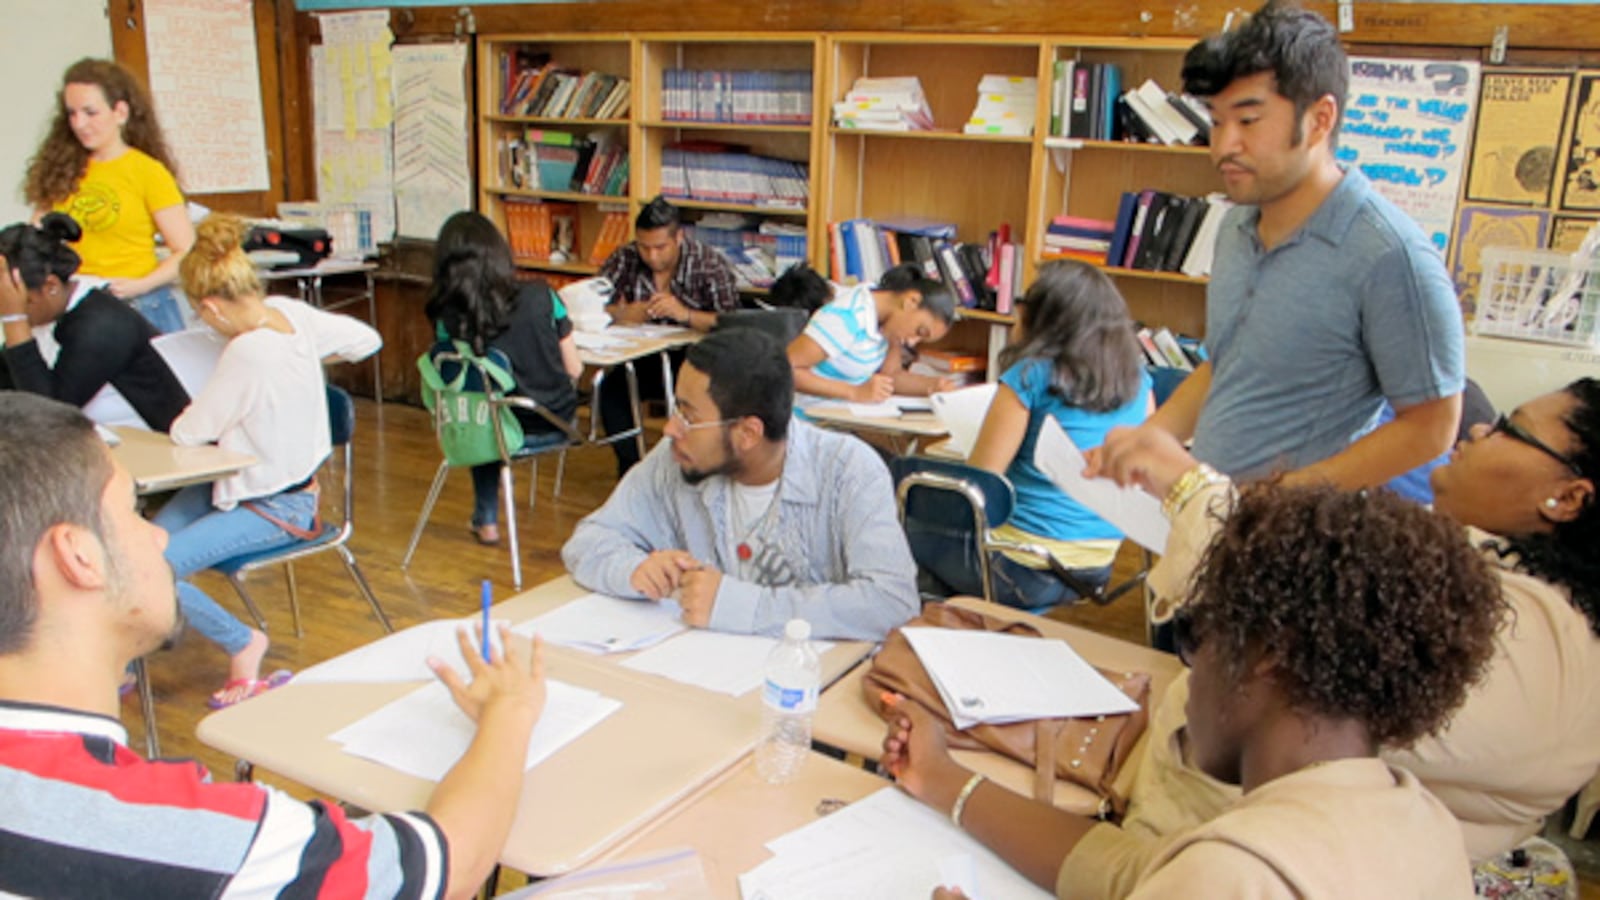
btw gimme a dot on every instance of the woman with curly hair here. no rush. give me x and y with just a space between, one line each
1321 625
1528 736
105 163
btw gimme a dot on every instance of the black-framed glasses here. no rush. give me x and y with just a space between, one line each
1183 637
1510 429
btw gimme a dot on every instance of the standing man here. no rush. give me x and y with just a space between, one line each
663 275
1325 299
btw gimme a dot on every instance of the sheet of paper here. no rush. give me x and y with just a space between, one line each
988 677
589 340
962 413
1135 512
885 410
401 656
389 735
432 173
599 624
885 845
726 663
648 330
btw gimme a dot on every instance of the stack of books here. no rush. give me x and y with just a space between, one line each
1163 232
1006 106
962 368
1164 350
861 250
1083 100
541 231
546 160
616 229
884 104
720 173
1157 116
538 86
1074 237
757 250
748 97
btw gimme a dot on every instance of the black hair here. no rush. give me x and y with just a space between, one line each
800 287
1300 48
41 252
474 286
936 296
658 213
750 375
1567 555
1073 318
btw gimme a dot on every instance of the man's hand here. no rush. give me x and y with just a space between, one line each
876 389
697 594
665 306
914 753
13 293
1148 457
948 893
661 573
507 677
625 313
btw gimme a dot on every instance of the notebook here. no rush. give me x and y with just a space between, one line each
961 412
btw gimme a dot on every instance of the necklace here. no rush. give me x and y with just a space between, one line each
742 549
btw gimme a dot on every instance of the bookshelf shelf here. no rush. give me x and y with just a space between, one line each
685 203
752 127
941 134
984 315
1146 274
566 196
544 265
555 123
1070 143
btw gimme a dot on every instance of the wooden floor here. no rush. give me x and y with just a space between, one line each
395 462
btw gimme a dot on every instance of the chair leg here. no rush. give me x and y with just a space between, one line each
294 599
561 468
147 706
427 510
638 407
237 580
508 489
356 575
533 482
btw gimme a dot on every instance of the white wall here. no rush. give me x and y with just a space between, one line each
41 38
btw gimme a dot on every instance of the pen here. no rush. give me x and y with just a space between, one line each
488 597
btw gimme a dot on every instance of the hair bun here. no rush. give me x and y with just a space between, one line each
218 235
60 227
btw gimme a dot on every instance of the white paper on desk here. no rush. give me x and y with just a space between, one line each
1133 511
596 623
885 410
962 413
726 663
402 656
588 340
390 734
648 330
886 845
989 677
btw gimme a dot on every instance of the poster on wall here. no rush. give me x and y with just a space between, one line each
354 96
203 71
1568 232
432 171
1406 127
1490 226
1516 147
1581 182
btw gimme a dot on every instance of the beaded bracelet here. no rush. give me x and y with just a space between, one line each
1183 490
961 799
13 317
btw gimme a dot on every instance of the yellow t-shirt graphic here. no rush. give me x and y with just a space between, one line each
116 203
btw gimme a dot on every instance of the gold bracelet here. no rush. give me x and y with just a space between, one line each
961 799
1184 489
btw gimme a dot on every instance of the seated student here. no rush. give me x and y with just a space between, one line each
1393 619
851 348
748 518
522 326
84 592
1077 362
1528 737
102 340
266 398
795 295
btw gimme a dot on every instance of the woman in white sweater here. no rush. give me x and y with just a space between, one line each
266 398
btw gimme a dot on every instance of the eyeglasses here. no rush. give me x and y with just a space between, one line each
686 425
1516 432
1183 637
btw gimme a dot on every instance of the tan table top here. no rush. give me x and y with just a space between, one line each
914 424
638 347
667 740
845 721
157 464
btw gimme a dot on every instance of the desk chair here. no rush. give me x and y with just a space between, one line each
937 491
560 441
335 535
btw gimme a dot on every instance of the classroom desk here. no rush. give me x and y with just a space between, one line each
308 285
844 720
729 821
636 348
157 464
666 741
912 427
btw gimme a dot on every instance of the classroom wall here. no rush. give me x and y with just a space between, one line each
33 55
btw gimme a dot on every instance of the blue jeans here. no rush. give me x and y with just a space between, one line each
486 479
200 536
947 563
160 308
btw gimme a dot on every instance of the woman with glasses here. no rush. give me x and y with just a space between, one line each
1290 708
1529 736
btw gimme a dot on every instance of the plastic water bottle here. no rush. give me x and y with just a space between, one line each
789 699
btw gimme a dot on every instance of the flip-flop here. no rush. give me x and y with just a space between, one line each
487 535
129 681
238 690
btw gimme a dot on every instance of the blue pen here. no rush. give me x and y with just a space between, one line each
488 598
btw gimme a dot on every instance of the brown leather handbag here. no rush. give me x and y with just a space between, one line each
1087 752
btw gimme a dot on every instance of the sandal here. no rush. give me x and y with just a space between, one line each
487 535
130 680
238 690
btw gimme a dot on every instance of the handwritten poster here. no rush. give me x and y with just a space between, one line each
1568 233
1406 127
352 80
207 88
432 172
1517 145
1488 226
1581 184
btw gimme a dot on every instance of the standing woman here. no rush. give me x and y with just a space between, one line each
105 163
267 398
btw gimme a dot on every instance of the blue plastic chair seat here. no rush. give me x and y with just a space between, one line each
329 534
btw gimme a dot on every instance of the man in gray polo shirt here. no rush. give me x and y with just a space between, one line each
1325 299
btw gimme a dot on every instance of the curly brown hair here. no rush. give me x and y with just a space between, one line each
1371 607
55 170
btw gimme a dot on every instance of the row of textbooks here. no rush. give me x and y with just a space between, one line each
982 276
740 96
536 85
1165 350
717 173
545 160
1087 101
544 231
1154 230
757 251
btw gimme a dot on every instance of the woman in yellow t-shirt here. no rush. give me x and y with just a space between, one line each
105 163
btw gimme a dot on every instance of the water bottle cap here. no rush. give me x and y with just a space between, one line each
797 630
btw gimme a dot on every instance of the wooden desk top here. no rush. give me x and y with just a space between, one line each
637 346
918 424
666 741
845 721
157 464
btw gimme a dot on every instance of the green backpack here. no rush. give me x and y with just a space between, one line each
464 419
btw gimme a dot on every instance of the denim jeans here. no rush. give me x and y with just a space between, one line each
947 563
160 308
486 479
200 536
